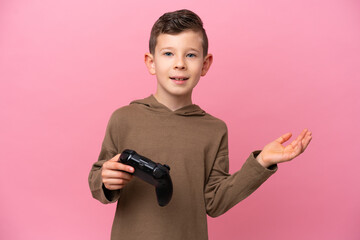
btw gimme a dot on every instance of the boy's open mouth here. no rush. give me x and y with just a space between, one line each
179 78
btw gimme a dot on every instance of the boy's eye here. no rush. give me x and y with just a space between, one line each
168 54
191 55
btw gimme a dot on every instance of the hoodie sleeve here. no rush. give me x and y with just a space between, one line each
108 151
223 191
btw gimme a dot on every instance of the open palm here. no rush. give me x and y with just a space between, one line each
275 152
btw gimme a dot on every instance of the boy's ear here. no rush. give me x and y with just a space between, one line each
150 63
207 63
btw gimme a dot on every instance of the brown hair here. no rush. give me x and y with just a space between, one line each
177 22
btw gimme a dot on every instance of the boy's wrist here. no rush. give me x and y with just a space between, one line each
261 161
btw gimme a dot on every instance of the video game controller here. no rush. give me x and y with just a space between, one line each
154 173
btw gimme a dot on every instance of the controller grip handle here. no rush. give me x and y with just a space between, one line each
164 191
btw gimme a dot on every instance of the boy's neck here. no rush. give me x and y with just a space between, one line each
173 102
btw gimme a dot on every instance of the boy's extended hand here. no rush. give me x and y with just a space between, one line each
275 152
115 175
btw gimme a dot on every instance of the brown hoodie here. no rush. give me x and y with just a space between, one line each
195 145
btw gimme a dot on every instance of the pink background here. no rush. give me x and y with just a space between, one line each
279 66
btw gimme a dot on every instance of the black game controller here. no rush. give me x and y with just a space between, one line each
154 173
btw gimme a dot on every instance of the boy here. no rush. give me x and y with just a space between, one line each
167 128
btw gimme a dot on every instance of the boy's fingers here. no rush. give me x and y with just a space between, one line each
301 135
120 167
306 141
114 186
116 174
294 143
295 149
113 164
115 181
126 168
122 174
304 133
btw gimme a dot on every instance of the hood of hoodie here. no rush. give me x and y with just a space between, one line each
151 103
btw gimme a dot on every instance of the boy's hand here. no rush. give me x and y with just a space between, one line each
275 152
115 175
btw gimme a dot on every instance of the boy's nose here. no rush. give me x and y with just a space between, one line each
180 63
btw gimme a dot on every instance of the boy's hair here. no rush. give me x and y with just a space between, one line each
177 22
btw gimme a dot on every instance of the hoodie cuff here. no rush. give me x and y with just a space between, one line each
99 191
254 154
254 163
110 195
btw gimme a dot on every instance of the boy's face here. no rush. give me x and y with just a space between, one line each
178 63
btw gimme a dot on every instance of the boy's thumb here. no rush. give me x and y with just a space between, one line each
116 158
284 138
